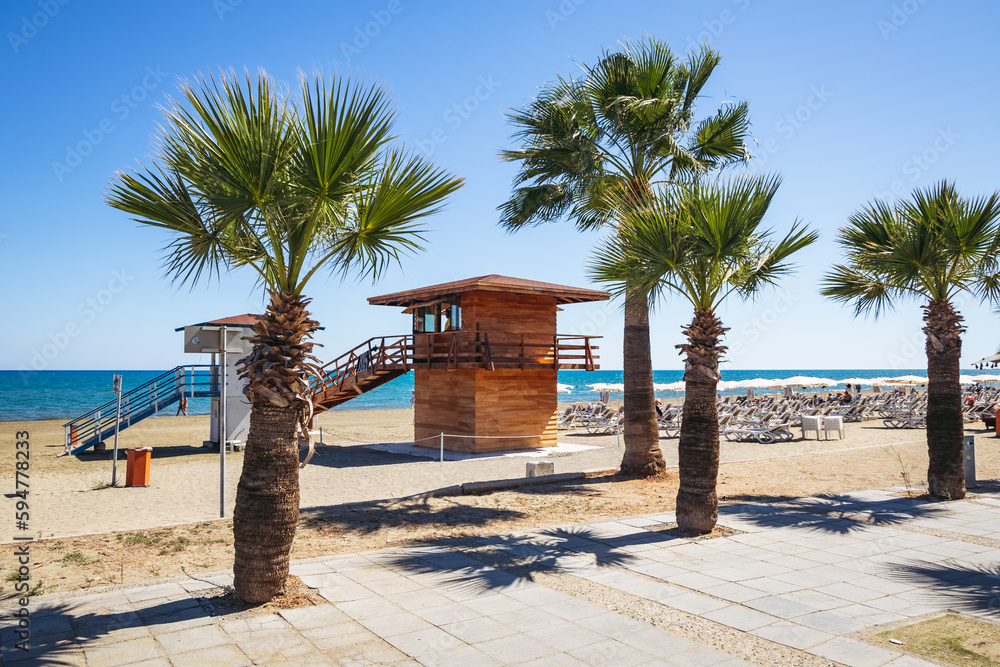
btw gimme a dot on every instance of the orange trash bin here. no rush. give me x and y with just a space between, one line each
137 466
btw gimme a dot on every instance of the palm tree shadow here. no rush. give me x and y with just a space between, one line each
508 561
836 513
967 588
368 517
59 631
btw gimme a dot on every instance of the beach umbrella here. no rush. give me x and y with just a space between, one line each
563 388
907 380
864 381
805 381
985 377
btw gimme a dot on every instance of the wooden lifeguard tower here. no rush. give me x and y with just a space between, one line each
485 354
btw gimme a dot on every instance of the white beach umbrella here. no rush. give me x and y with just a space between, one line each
805 381
985 377
907 379
563 388
852 381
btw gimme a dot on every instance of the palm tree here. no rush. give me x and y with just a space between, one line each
931 247
613 134
702 242
248 179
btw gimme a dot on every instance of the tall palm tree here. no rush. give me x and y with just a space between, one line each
613 134
247 178
703 243
931 247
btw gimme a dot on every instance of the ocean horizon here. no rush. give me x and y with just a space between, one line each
49 394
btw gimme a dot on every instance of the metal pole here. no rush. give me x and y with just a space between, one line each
117 384
969 451
222 427
442 447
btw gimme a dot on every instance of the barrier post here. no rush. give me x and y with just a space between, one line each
442 447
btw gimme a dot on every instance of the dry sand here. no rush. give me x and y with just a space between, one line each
353 466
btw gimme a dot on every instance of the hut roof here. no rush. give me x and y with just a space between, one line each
492 283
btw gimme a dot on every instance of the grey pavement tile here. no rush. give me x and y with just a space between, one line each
830 621
327 579
555 660
536 595
205 636
337 634
910 661
515 649
572 609
610 653
693 603
869 615
450 612
771 586
226 654
345 592
524 620
255 628
820 601
740 618
849 592
781 606
39 653
664 571
479 629
420 599
730 574
305 618
657 642
275 648
700 656
696 581
123 653
611 624
373 651
424 642
150 592
792 634
368 607
302 569
494 603
392 587
467 656
566 636
853 653
401 623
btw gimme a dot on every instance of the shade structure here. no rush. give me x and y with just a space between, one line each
906 379
563 388
607 386
991 359
805 381
680 385
756 383
985 377
863 381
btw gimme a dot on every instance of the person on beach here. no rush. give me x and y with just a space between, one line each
182 406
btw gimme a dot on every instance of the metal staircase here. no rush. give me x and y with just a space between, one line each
143 401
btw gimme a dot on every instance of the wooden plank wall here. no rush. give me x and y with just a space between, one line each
501 312
485 403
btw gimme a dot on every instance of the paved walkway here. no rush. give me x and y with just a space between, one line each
797 581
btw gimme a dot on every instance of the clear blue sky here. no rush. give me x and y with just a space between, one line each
849 100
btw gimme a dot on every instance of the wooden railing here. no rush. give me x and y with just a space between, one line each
456 349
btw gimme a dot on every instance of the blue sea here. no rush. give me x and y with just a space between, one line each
33 395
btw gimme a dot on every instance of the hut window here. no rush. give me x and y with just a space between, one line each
452 315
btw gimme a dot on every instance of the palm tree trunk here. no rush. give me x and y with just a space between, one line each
945 472
643 456
267 498
267 503
698 451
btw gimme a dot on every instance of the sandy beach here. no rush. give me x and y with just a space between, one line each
366 457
